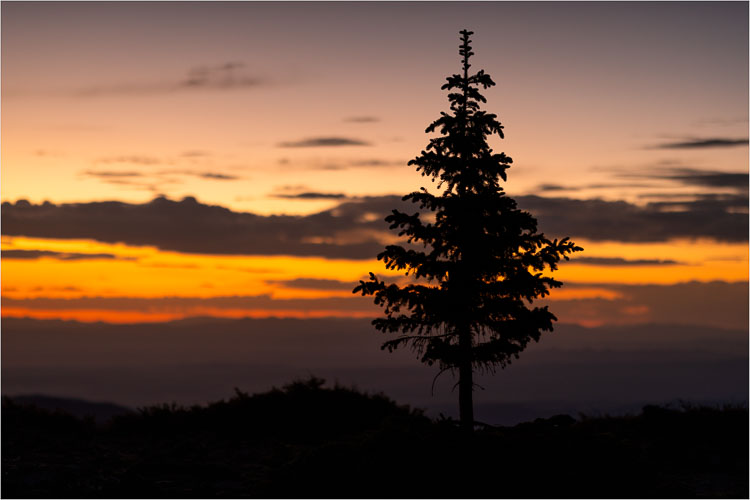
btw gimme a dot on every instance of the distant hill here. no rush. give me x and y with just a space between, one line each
309 441
194 361
80 408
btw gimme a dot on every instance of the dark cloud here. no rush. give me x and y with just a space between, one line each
602 220
678 196
189 226
555 187
703 143
38 254
705 178
710 180
323 142
619 261
315 284
310 195
362 119
303 192
706 203
355 228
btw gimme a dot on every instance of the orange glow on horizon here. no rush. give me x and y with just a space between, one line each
567 293
149 273
123 317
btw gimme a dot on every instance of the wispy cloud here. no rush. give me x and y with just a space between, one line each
315 142
195 153
721 122
215 176
132 179
362 163
133 159
112 174
362 119
202 174
581 187
38 254
154 181
46 153
221 77
721 142
341 163
315 284
619 261
119 176
375 162
556 187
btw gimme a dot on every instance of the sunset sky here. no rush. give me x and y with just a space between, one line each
168 160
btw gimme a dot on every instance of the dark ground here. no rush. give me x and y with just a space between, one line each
306 440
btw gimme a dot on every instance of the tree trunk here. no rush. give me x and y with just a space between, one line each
466 383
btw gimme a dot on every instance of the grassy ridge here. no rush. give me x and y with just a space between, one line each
306 440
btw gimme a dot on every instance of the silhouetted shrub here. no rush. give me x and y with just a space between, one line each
303 410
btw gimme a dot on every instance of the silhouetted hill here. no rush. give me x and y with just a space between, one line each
306 440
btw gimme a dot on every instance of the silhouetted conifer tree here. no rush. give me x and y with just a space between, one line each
470 304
